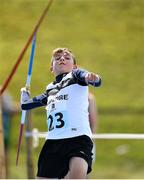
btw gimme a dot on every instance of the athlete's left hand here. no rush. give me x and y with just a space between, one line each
91 77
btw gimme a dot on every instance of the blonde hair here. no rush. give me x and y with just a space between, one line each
60 50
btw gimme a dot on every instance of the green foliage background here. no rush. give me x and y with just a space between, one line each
107 37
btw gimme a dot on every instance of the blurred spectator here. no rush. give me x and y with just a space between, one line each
92 113
93 117
9 108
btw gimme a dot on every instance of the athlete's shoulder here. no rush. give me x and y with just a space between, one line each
78 70
79 75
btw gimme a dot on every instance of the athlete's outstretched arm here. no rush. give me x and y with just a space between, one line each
85 78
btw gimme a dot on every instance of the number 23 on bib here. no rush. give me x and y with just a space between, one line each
57 117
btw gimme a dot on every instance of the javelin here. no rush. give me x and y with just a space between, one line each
6 82
27 87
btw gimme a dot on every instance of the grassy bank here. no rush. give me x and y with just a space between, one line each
107 37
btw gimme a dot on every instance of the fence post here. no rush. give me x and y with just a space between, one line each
2 150
30 167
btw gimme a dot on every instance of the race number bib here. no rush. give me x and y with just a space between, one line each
57 121
57 118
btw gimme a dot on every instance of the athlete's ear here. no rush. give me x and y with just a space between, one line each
51 68
74 66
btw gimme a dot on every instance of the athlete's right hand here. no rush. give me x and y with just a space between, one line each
25 95
26 90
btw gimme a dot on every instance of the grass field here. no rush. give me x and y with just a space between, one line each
107 37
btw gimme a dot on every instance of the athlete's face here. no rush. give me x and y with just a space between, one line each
62 63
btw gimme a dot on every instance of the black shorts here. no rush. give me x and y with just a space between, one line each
55 155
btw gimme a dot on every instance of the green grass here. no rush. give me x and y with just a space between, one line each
107 36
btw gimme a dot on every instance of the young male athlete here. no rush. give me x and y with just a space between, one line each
68 146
